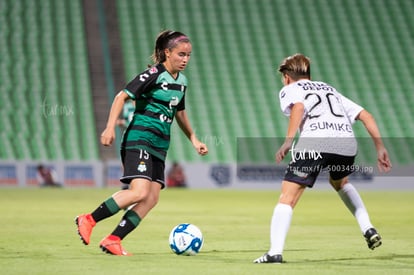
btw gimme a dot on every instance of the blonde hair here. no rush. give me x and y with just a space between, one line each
296 66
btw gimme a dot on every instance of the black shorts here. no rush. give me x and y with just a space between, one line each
141 164
305 170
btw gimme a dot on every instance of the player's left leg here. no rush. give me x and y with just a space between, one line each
120 200
280 222
354 203
131 219
282 215
293 186
145 206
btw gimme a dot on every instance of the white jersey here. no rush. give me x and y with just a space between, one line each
327 122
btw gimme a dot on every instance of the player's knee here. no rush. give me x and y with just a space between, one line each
338 184
291 193
139 196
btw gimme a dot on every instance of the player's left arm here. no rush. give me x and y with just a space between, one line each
184 123
384 163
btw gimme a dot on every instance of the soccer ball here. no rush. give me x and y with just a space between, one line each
186 239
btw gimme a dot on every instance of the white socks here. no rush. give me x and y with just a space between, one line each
282 216
279 227
353 202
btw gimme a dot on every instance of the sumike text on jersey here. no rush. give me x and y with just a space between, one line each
324 125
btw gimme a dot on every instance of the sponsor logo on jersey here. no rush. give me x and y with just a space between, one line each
174 102
143 77
324 125
164 86
164 118
314 86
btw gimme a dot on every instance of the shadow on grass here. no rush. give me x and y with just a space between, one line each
405 258
389 257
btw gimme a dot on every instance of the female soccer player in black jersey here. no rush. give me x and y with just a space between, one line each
159 94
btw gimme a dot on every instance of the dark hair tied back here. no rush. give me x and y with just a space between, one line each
167 40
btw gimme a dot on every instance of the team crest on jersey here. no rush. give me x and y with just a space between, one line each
153 70
142 167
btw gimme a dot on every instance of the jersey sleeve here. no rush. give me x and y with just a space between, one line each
181 105
142 83
288 96
352 109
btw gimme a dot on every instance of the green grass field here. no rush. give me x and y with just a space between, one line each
38 234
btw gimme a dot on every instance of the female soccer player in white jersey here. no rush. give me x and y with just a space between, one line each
324 119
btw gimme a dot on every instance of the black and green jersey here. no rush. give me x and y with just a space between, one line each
158 96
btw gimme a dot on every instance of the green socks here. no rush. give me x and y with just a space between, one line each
105 210
129 222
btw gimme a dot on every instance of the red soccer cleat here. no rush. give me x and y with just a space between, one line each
112 245
85 224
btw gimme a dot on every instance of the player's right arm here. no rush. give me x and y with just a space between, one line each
141 84
292 104
384 163
108 135
295 119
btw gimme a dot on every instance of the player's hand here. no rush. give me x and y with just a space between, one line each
108 137
283 150
200 147
384 163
